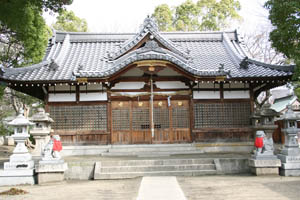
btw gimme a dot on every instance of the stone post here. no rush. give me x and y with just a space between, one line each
40 131
52 167
290 154
264 162
19 170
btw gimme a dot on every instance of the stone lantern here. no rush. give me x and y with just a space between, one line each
41 130
267 124
19 169
264 162
290 154
255 118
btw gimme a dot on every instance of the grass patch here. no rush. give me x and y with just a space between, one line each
13 191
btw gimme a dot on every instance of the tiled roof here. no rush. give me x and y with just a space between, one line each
70 55
280 104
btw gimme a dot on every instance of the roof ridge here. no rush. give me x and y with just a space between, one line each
237 59
12 71
286 68
149 27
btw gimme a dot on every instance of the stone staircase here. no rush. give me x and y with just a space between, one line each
153 150
154 167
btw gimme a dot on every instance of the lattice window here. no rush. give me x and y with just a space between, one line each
140 119
79 117
180 117
161 118
120 119
222 115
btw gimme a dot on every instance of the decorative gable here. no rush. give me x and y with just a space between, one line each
148 32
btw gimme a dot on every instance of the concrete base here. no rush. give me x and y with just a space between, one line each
51 171
264 167
288 159
265 171
291 172
290 165
16 177
50 177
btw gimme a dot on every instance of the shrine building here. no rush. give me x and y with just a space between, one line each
149 87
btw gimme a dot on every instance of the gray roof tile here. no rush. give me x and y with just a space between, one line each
101 55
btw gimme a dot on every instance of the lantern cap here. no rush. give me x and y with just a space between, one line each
41 116
267 111
289 114
20 120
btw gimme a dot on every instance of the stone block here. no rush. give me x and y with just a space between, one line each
2 140
10 141
19 165
16 177
264 163
50 177
291 166
51 171
43 167
265 171
289 172
289 159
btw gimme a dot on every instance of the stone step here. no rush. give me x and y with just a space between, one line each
153 148
152 153
119 175
154 168
155 162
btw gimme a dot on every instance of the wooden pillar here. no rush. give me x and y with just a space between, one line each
109 116
77 93
251 97
191 109
222 91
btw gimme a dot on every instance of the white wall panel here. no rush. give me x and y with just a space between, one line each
97 96
206 94
236 85
62 87
91 87
239 94
207 85
128 85
170 84
62 97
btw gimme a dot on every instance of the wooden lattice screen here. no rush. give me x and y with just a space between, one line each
140 119
222 115
121 120
180 117
79 117
161 118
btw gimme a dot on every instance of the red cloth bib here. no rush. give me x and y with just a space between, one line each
259 142
57 145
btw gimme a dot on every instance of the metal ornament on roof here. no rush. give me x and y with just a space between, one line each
149 22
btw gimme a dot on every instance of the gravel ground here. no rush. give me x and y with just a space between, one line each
240 187
80 190
203 187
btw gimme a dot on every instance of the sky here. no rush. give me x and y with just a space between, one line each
127 16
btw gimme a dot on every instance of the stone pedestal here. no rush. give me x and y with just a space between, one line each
290 154
40 131
261 167
290 165
19 170
40 142
16 177
51 171
10 141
